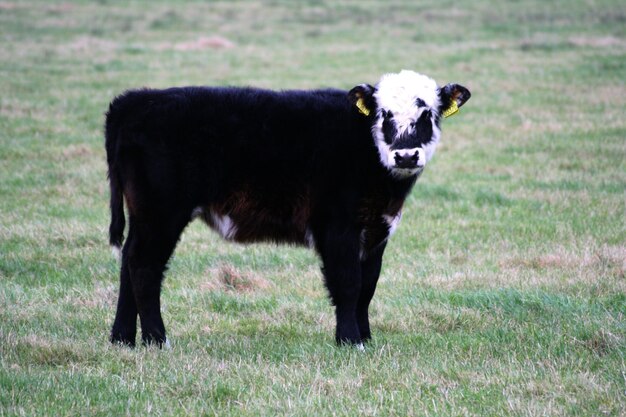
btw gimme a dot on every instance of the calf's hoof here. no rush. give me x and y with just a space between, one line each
353 340
122 339
159 341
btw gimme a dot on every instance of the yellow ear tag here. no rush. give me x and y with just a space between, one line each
452 110
362 109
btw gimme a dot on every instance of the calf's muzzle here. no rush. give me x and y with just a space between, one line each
408 158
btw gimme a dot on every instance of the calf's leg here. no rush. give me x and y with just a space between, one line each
339 250
370 271
125 325
148 249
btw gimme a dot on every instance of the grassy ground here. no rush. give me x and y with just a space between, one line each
503 291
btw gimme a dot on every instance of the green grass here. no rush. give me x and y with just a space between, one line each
503 291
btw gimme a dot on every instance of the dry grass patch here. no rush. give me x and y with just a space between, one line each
79 151
39 350
86 44
229 278
601 341
551 393
203 42
103 296
597 42
605 260
5 5
427 317
600 267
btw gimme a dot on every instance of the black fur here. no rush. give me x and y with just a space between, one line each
284 166
389 127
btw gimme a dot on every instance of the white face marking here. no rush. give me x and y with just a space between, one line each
392 222
399 94
224 225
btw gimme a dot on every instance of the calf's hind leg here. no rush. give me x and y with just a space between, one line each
149 250
125 325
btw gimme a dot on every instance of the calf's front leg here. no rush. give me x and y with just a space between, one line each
370 271
339 250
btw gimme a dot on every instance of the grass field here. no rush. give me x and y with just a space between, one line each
503 290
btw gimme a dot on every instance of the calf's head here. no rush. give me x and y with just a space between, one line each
405 110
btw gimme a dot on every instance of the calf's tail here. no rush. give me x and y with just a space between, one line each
118 221
116 228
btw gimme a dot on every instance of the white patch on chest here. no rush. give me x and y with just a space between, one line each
392 222
224 225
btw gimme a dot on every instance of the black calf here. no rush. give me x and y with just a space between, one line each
328 169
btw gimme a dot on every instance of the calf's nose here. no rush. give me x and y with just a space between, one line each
406 159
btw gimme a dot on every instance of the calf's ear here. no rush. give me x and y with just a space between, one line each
453 96
362 97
